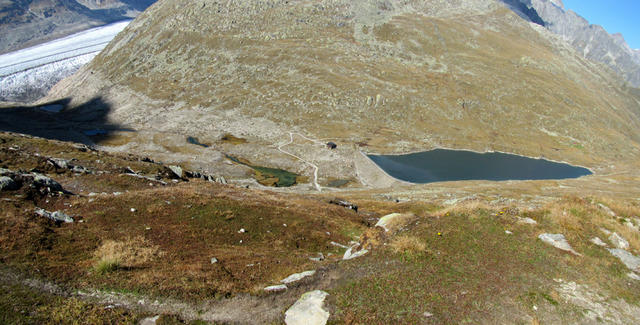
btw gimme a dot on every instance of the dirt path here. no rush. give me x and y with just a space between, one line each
315 167
240 309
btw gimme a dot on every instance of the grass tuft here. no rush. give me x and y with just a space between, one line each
408 245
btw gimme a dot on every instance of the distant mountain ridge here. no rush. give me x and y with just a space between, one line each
592 41
25 23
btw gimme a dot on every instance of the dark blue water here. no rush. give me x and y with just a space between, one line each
441 165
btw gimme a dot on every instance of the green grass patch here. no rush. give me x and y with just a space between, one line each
269 176
105 266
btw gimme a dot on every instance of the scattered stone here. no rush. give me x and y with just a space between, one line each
147 178
8 184
191 174
57 216
308 310
606 209
558 241
339 245
633 276
221 180
128 170
345 204
395 221
527 221
149 320
631 225
175 171
242 231
628 259
297 277
598 241
59 163
80 170
618 241
214 260
605 231
317 259
508 232
133 210
276 288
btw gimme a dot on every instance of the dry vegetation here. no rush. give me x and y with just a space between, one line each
157 242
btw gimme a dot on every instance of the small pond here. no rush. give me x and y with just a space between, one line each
441 165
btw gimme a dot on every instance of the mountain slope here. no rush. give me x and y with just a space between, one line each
394 76
591 40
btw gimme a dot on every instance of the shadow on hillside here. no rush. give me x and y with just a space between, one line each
55 120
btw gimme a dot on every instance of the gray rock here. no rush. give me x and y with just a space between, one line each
606 209
308 310
618 241
297 277
7 184
598 241
527 221
6 172
176 171
41 181
59 163
628 259
276 288
57 216
558 241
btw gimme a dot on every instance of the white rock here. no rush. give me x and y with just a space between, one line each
339 245
628 259
633 276
133 210
605 231
308 310
606 209
427 314
508 232
527 221
276 288
214 260
349 254
558 241
297 277
598 241
242 231
149 320
618 241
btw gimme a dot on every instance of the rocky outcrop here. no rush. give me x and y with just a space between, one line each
592 41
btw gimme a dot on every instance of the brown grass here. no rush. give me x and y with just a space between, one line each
408 244
129 253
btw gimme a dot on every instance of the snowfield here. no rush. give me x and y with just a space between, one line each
28 74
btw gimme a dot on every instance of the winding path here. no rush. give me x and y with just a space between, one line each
315 167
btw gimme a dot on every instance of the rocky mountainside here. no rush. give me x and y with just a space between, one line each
383 76
591 40
25 23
